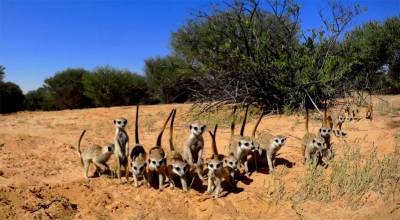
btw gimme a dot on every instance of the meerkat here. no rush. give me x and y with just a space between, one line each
121 150
325 133
193 152
177 166
241 146
313 149
157 160
369 112
319 141
94 154
217 172
267 146
336 121
138 156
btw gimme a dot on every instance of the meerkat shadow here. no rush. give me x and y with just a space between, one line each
283 161
244 179
197 185
228 189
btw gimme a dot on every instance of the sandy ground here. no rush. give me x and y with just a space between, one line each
41 176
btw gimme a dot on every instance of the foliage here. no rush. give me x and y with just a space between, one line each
253 54
40 99
2 73
169 78
67 89
11 97
108 86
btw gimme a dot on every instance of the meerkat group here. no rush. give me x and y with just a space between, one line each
155 168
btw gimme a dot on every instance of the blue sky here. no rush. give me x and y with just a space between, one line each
40 37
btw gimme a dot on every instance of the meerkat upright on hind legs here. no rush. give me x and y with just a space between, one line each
94 154
121 150
193 152
336 121
217 172
138 156
177 166
157 160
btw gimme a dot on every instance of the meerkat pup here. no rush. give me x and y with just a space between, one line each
267 146
94 154
121 150
241 146
178 168
193 152
157 160
138 156
217 172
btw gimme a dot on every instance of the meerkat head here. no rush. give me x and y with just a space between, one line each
341 118
156 163
180 168
109 149
325 132
246 145
319 143
231 162
214 164
138 166
197 129
279 141
120 122
256 148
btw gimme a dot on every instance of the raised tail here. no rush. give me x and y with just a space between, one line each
158 143
171 131
233 121
137 125
253 133
307 118
244 121
214 143
79 142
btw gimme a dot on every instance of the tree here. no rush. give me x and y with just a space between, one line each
169 78
108 86
251 52
41 99
11 97
67 88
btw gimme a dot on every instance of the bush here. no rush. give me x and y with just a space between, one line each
107 86
11 97
67 89
41 99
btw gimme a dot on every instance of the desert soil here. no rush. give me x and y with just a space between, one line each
41 176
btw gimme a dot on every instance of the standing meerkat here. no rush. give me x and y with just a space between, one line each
267 146
193 152
138 156
241 146
94 154
217 172
121 150
178 168
157 161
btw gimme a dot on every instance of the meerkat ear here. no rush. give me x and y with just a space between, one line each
203 128
148 160
114 121
190 127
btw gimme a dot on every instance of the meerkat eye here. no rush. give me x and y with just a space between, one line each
195 128
246 144
135 168
218 165
177 168
141 169
276 140
319 144
236 162
230 163
211 165
153 162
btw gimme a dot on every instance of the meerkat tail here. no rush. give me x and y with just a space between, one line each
307 118
79 142
171 131
253 133
244 121
233 121
213 143
137 125
163 128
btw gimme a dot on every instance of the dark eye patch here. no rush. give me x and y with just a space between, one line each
135 168
153 162
218 165
178 169
246 144
195 128
319 144
141 169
